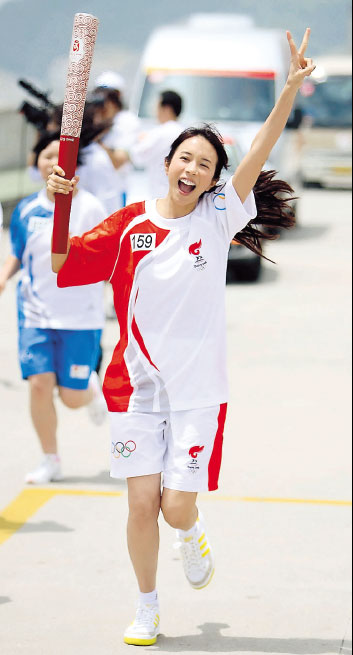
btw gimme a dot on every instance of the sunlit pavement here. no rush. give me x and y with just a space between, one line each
280 523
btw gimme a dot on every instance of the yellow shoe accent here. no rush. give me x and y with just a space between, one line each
207 583
144 629
197 557
140 642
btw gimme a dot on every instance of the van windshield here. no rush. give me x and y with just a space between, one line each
213 97
328 104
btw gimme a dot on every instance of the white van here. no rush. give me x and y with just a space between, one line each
229 73
325 138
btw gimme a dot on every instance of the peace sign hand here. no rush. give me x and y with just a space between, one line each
300 67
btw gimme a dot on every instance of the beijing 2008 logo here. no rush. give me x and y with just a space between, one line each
195 251
119 449
194 452
77 49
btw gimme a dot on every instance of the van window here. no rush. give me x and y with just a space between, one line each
212 97
329 103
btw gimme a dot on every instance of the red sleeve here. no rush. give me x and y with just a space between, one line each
92 257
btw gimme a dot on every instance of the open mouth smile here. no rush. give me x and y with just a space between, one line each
186 187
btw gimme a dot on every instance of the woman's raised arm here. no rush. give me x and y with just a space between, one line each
250 168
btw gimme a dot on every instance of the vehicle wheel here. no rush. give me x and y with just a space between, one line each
249 271
295 209
311 185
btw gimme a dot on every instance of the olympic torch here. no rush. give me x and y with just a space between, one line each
80 61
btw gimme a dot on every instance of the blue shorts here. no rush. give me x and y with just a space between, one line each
71 354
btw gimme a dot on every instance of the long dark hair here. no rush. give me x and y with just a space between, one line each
273 196
48 137
89 133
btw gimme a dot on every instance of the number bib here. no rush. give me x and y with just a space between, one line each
143 242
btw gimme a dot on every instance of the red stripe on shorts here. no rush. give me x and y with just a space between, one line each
214 466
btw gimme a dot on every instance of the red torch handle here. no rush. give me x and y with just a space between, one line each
80 60
68 152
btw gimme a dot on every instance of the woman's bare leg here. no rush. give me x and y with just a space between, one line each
43 410
143 529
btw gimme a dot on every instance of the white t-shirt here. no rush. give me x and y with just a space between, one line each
168 277
1 220
124 131
40 303
150 153
123 134
98 176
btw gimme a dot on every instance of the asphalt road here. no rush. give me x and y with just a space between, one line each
280 523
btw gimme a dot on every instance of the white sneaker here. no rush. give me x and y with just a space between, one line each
97 408
48 471
144 630
197 556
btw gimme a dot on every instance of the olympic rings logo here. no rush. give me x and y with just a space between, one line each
119 449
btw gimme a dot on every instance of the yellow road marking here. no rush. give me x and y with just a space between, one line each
20 510
294 501
30 500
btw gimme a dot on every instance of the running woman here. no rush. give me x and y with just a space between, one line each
59 332
166 387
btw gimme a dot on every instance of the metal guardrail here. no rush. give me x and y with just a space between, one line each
15 185
16 140
8 208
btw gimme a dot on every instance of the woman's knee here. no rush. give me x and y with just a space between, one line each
42 384
144 503
72 398
178 509
144 509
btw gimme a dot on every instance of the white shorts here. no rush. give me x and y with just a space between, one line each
185 446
